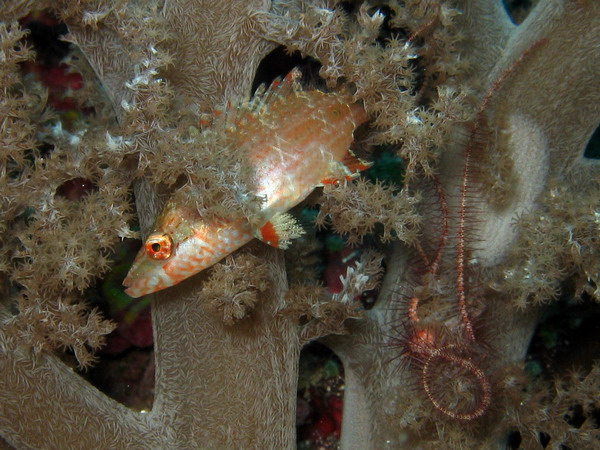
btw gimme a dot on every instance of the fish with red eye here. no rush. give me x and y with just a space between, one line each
159 246
295 140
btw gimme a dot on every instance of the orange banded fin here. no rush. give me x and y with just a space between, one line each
279 231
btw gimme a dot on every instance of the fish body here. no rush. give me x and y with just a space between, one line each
295 140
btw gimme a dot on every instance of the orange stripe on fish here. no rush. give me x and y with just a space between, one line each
295 140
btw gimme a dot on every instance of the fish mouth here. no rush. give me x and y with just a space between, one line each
144 286
132 292
134 282
139 284
142 277
134 289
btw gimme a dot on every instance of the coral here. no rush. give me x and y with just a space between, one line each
356 209
498 211
227 291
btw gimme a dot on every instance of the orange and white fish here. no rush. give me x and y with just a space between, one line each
295 140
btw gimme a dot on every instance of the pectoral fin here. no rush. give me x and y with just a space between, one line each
349 168
279 231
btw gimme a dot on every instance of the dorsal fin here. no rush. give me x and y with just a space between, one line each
243 113
283 87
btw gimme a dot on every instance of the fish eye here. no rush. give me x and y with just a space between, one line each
335 112
159 246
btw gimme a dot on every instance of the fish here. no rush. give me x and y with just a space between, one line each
295 140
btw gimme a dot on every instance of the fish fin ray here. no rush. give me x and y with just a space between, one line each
280 230
242 115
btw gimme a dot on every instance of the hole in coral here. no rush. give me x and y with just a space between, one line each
45 34
127 377
280 62
544 439
595 416
576 416
566 337
320 398
592 150
76 188
514 440
348 7
518 10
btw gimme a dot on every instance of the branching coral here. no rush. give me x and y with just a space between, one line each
423 71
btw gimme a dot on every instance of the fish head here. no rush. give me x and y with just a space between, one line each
180 245
163 258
